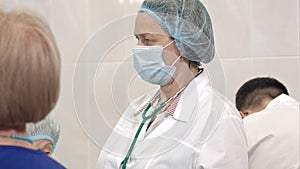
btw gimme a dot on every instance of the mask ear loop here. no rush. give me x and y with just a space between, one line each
179 57
176 60
169 44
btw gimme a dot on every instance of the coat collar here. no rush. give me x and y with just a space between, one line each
283 98
190 97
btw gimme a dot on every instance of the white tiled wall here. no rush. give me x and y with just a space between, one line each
253 38
275 31
232 25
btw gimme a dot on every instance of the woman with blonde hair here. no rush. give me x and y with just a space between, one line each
29 86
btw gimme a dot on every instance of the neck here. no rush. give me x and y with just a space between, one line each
12 132
168 91
174 86
15 138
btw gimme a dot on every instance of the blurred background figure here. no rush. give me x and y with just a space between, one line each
256 94
44 134
29 86
271 119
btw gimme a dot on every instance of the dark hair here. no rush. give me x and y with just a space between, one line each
253 92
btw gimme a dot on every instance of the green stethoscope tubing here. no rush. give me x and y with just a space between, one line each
145 118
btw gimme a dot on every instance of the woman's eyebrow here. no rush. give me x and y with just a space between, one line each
151 35
143 35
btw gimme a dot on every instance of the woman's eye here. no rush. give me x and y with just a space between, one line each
148 41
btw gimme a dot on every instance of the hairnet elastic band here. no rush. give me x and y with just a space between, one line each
40 137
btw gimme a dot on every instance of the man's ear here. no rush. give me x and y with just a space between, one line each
243 114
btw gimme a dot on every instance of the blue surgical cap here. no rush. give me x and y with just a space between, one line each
188 22
48 128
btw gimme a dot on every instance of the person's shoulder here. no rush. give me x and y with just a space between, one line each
43 161
220 103
220 111
49 163
26 158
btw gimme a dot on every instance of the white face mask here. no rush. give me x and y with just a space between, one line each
149 64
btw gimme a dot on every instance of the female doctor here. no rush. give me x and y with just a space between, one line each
185 123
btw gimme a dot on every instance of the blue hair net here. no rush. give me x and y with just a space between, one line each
48 128
188 22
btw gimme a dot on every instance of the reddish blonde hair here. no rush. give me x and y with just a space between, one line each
29 69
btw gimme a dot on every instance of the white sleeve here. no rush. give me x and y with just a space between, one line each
226 148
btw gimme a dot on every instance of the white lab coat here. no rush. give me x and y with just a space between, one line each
273 135
205 132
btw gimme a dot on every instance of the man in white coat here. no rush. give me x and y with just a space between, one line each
271 119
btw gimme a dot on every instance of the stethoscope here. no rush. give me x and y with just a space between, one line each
145 118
